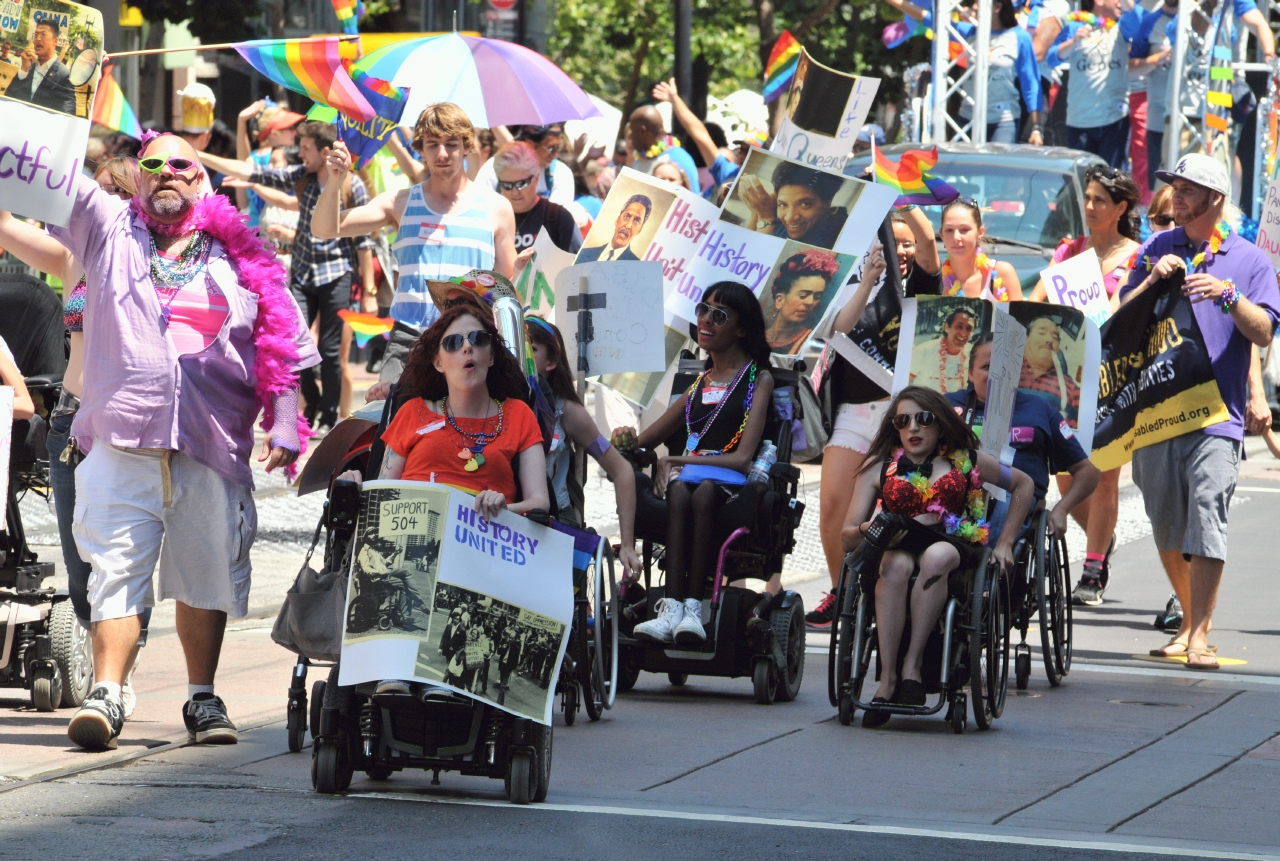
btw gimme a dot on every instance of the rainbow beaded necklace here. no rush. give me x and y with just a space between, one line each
695 437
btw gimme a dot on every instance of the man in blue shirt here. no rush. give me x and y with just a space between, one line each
1042 441
722 164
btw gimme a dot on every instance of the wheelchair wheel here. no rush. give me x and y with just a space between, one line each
988 642
854 647
600 682
764 681
296 724
569 701
677 679
835 661
520 779
331 764
46 690
541 736
1055 610
629 666
788 631
317 704
72 652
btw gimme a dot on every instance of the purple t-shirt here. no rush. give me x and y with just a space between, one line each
1229 350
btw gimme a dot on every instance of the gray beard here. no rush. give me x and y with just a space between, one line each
168 207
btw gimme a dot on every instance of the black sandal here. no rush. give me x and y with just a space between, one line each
874 717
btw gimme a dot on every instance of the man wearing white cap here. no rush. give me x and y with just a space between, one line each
1187 481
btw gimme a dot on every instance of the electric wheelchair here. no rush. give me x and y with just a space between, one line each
43 648
969 647
748 633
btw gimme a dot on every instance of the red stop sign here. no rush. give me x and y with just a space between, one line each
502 5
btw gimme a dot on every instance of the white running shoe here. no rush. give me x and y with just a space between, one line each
662 629
690 630
392 686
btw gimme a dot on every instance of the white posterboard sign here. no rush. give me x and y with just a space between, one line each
624 301
1078 283
825 110
6 440
41 156
1009 341
438 594
536 284
1269 224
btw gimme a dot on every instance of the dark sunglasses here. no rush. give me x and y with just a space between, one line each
924 419
477 338
719 316
518 185
155 164
1162 220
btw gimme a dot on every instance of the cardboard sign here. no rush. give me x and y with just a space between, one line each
1007 345
440 595
1078 283
1269 224
536 282
825 111
620 313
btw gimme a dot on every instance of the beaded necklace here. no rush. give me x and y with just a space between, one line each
1092 20
952 286
695 437
167 275
473 454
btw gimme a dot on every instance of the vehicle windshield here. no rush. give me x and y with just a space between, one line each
1036 206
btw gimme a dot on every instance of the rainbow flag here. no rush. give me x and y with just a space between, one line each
111 108
899 32
781 68
313 68
349 13
910 177
366 326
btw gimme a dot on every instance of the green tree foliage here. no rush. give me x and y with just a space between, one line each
210 22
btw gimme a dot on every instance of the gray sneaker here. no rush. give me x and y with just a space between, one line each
97 723
207 723
1088 591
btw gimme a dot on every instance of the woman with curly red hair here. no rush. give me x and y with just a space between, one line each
798 291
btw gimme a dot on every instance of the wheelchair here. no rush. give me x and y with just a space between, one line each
589 674
748 633
43 648
968 648
1042 587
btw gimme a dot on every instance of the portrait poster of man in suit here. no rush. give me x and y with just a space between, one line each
630 217
52 60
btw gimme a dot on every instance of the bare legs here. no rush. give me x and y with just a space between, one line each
1196 585
927 601
1098 514
115 647
839 466
115 644
344 396
689 567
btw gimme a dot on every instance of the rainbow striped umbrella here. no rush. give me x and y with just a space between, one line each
495 82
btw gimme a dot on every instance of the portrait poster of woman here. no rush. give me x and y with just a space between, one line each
797 293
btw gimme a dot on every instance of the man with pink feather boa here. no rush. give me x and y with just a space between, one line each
190 333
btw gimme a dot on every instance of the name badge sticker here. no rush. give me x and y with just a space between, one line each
713 396
434 426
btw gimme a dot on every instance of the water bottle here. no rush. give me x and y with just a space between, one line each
764 462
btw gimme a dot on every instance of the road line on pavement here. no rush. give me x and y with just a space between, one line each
723 758
1118 759
1259 489
888 830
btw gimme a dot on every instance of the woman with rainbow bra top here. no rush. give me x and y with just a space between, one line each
924 463
723 415
968 271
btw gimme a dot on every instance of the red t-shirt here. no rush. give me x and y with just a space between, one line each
430 446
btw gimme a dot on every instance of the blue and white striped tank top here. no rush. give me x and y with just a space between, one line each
434 247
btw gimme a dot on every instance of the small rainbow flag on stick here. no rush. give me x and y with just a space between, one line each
366 326
909 175
349 13
781 68
111 108
312 67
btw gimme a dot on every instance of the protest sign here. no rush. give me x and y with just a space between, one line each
1269 224
937 335
825 111
536 281
618 315
1060 362
1077 283
438 594
1007 344
44 123
1155 380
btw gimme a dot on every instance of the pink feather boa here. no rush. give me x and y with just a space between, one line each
275 352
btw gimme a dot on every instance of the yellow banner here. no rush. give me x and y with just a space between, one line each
1222 100
1196 408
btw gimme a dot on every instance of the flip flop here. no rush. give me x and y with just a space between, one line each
1162 653
1200 653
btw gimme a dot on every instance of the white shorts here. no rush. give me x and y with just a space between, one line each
856 425
122 527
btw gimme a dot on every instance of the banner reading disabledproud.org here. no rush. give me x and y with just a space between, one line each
1156 381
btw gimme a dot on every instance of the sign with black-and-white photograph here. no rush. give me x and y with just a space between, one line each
439 595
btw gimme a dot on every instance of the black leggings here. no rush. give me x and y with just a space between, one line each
690 516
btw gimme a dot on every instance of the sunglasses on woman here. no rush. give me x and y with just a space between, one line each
518 185
1162 220
177 164
924 419
477 338
719 316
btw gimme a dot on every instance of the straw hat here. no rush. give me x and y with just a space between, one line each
487 286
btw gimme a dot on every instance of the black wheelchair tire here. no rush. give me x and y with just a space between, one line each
542 737
628 671
984 593
788 631
569 700
317 705
1055 612
46 690
677 679
379 772
764 681
331 765
296 725
520 779
846 710
836 660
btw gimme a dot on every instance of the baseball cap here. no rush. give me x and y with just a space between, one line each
864 136
275 118
1201 169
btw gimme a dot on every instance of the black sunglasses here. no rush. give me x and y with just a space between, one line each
477 338
719 316
518 185
924 419
1162 220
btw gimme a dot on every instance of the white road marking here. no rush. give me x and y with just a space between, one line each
1259 489
892 830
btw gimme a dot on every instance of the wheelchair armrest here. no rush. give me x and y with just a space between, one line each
641 458
539 515
43 381
785 470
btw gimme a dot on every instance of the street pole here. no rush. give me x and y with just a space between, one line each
1173 132
684 48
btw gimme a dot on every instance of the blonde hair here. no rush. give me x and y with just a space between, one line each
444 120
124 173
517 155
1160 200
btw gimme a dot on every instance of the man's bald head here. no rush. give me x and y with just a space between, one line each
168 194
646 127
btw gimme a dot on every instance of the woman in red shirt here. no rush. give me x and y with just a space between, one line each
462 420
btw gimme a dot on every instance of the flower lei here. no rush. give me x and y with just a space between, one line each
970 526
661 145
952 286
942 366
1091 19
1220 232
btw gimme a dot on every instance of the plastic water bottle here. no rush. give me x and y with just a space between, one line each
764 462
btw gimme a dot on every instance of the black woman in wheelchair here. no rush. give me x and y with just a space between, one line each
924 464
463 422
723 418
